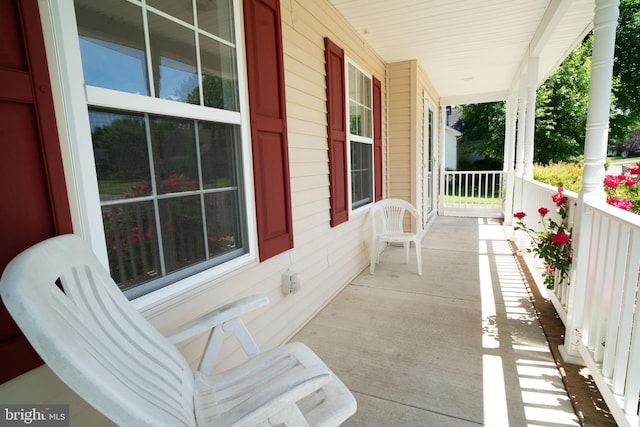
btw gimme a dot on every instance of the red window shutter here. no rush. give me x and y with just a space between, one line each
377 138
337 133
32 185
265 73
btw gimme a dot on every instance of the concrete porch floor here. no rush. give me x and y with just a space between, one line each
460 345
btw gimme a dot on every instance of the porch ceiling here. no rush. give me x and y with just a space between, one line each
472 51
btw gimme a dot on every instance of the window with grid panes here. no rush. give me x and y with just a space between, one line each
360 117
168 170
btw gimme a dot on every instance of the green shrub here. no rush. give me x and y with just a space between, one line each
566 175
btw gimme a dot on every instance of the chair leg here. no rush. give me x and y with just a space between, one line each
406 252
419 256
373 255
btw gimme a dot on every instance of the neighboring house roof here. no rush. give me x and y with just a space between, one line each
473 51
452 131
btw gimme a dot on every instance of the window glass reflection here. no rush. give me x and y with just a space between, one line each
132 243
218 143
223 222
112 45
121 154
360 111
173 55
216 17
182 231
361 172
180 9
219 77
175 157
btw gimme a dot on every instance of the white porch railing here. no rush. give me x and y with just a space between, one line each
610 338
611 331
539 195
473 193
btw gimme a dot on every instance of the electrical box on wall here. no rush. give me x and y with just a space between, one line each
290 282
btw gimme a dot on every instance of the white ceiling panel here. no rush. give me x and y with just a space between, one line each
472 50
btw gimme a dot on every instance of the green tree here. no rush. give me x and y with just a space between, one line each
120 149
626 69
561 109
482 127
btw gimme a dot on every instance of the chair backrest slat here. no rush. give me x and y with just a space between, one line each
391 213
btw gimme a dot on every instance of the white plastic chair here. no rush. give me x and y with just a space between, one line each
90 335
387 217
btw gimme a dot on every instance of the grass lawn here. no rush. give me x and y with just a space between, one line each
116 186
623 160
470 200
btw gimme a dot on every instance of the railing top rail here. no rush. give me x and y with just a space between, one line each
629 219
478 172
572 195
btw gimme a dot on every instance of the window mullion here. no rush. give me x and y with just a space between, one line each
147 47
201 192
196 34
154 189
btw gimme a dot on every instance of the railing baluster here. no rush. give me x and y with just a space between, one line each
632 389
473 180
619 268
486 188
119 247
629 305
592 284
459 188
609 238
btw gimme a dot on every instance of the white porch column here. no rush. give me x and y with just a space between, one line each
530 128
519 164
509 156
595 152
522 114
441 153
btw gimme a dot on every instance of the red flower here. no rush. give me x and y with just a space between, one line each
543 211
560 239
559 199
631 182
135 234
550 269
620 203
635 169
519 215
611 181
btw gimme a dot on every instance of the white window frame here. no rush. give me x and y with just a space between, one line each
357 138
428 159
75 100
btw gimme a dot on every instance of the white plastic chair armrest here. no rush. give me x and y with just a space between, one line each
217 317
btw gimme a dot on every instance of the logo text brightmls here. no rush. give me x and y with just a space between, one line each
36 415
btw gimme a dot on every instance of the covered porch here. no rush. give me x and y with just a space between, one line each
460 345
